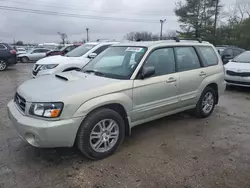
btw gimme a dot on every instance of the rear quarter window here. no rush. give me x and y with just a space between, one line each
208 55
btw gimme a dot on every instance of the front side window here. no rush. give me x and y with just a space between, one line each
162 60
115 62
101 49
187 59
80 51
208 55
243 58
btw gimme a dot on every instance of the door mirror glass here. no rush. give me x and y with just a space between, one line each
147 72
92 55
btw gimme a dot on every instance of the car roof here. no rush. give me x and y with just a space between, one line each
151 44
97 43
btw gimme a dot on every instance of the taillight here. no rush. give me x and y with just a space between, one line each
13 51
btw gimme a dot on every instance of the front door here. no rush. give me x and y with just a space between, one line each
158 94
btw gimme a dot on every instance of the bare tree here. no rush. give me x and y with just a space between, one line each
63 36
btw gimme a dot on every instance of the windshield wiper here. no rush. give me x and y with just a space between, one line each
95 72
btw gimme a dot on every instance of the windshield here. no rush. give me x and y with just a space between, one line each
80 51
116 62
243 58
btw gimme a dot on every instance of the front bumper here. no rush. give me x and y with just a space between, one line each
42 133
238 80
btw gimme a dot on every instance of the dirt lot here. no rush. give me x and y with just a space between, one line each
177 151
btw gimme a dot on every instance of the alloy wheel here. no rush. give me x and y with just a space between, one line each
104 135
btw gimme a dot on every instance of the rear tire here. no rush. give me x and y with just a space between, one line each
100 134
206 103
3 65
24 59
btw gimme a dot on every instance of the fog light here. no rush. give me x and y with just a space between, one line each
32 139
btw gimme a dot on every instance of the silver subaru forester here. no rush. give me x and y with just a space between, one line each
126 85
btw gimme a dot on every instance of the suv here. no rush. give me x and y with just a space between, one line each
229 52
74 60
7 56
127 85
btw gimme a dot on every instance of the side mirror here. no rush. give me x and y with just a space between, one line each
147 72
92 55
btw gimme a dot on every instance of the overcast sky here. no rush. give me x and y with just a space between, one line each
43 28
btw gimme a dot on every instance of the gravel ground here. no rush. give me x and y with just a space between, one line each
177 151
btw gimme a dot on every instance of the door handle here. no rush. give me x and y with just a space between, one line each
202 73
171 80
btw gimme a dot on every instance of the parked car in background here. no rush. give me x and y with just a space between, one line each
74 60
61 51
127 85
33 55
237 71
229 52
20 50
7 56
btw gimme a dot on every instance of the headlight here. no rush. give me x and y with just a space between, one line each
48 110
50 66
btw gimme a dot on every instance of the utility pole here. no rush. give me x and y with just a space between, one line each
216 16
162 22
87 29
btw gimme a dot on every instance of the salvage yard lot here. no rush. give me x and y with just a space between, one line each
176 151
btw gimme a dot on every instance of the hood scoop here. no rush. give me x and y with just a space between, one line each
69 76
61 77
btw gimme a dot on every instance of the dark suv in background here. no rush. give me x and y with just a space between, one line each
7 56
229 52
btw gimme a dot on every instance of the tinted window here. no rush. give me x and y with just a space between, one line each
163 60
228 52
101 49
187 58
236 52
2 47
208 55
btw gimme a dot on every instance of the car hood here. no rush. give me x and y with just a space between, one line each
61 86
235 66
58 59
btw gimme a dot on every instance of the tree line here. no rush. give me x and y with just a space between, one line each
209 20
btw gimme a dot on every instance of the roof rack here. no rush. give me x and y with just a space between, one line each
177 39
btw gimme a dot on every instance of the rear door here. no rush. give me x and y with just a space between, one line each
3 51
191 74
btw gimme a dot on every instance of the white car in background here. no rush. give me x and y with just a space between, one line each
237 71
32 55
74 60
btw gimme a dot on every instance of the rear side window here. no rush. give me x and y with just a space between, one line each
208 55
2 47
187 59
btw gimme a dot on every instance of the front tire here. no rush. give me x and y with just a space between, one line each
206 103
100 134
24 59
3 65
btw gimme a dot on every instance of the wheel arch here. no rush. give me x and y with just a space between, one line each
214 86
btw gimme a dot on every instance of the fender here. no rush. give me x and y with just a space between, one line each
123 98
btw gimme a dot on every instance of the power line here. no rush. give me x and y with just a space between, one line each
35 11
77 8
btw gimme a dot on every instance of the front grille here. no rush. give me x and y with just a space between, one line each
237 82
20 102
242 74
